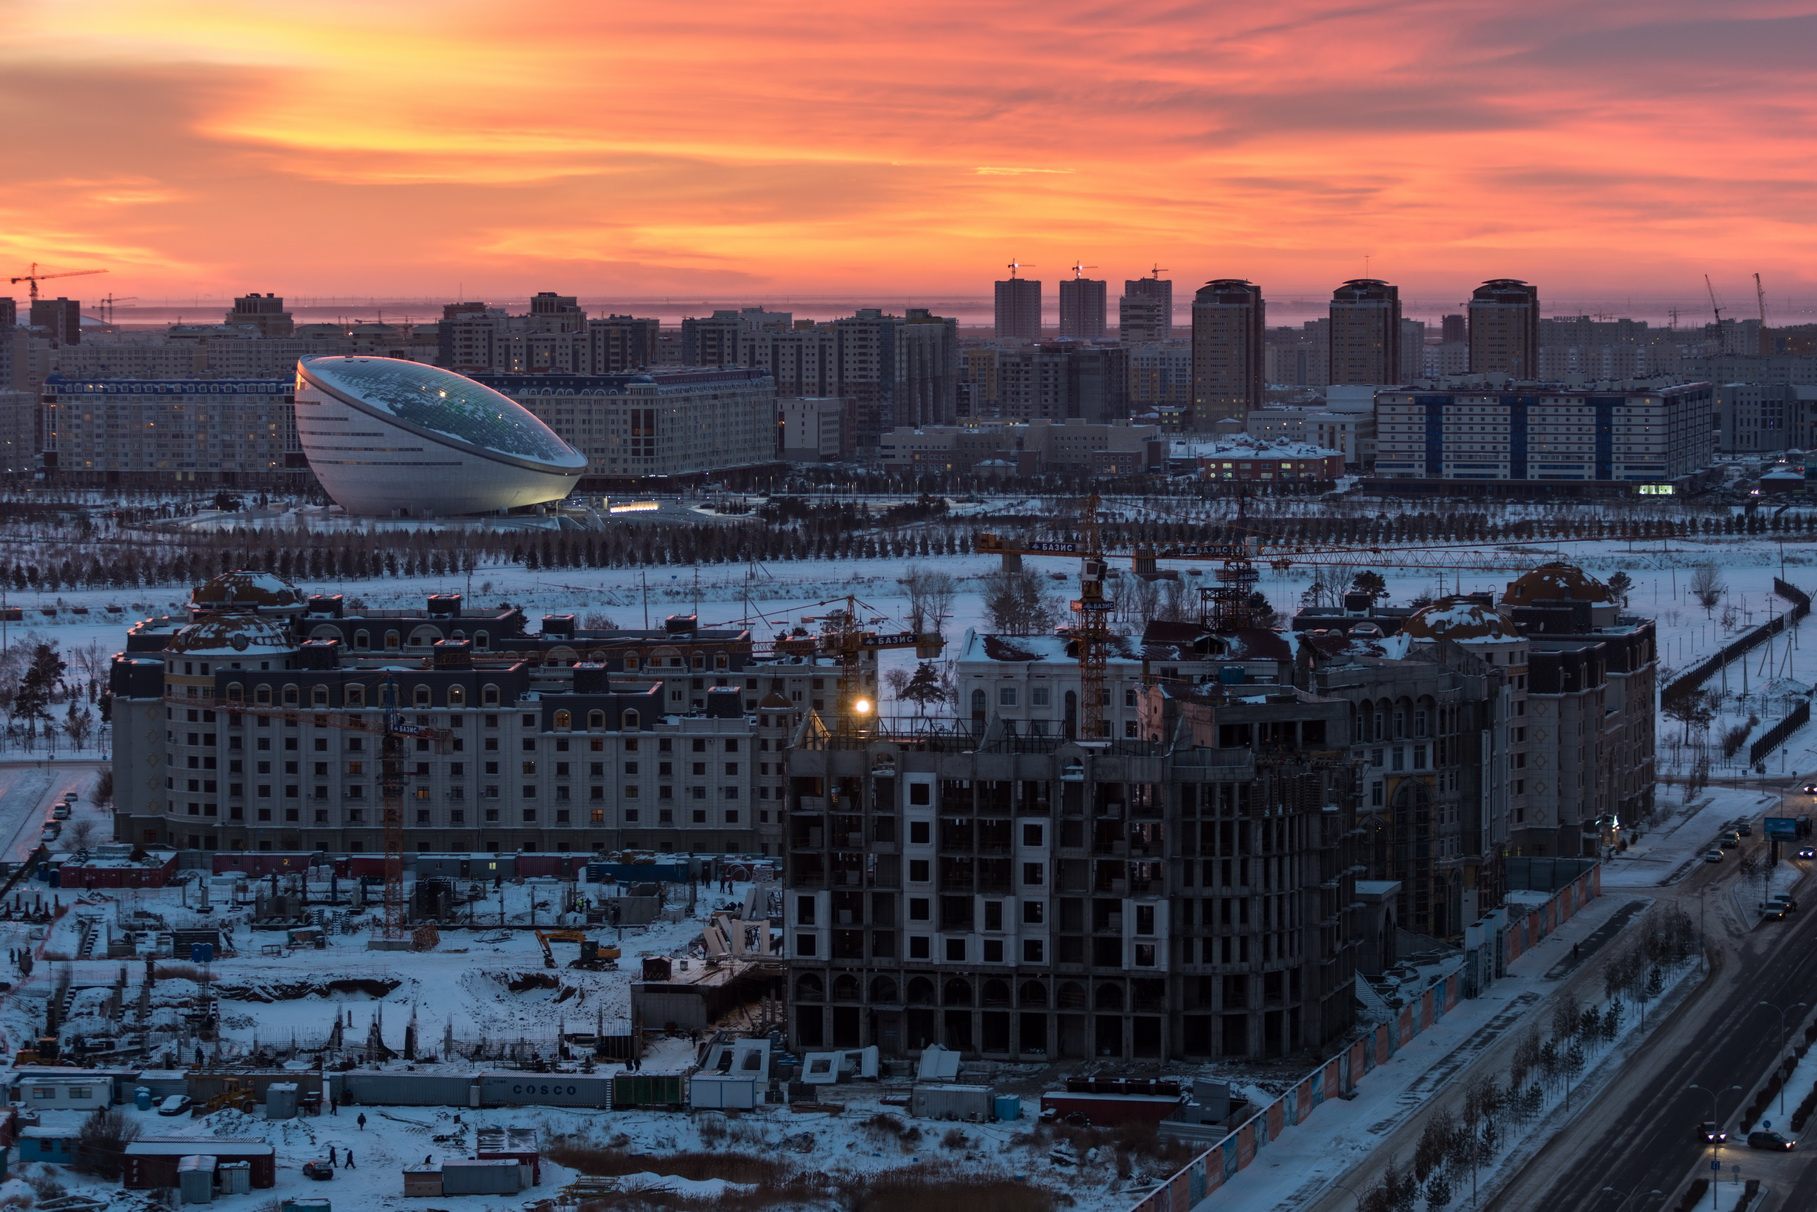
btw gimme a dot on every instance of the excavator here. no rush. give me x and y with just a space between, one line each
593 954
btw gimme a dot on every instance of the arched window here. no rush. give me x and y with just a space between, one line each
630 660
290 694
355 696
419 697
262 695
700 662
480 639
457 696
392 640
236 693
488 695
596 721
362 638
629 721
318 696
564 721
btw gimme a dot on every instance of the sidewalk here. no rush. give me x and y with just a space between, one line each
1335 1152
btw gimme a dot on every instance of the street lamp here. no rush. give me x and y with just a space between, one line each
1783 1035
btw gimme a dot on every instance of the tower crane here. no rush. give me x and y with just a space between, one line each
1760 295
846 641
34 277
393 730
107 306
1157 271
1715 307
1015 265
1079 270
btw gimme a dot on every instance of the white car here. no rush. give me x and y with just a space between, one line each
1712 856
176 1104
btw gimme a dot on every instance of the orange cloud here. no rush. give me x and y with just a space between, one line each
813 147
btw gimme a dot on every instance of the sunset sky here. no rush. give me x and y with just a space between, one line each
754 148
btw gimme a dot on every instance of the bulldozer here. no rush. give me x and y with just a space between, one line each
593 954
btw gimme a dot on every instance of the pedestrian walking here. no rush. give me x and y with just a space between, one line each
331 1160
348 1164
428 1159
361 1121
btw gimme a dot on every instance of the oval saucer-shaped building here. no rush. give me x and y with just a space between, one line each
388 437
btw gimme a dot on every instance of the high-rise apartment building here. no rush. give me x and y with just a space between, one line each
1227 351
263 312
59 319
1504 329
1453 328
1082 309
730 338
550 312
1145 312
230 433
1366 332
1019 309
621 343
9 311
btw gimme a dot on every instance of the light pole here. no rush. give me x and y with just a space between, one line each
1783 1035
1716 1125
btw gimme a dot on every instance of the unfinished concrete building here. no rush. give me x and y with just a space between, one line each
1190 897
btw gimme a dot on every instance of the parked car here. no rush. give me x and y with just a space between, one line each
1773 911
1712 855
1709 1133
51 833
1771 1140
320 1169
1728 839
60 812
1786 899
176 1104
1744 828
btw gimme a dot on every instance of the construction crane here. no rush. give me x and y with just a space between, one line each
1715 307
1079 270
1015 265
844 639
393 730
1760 296
107 306
1157 271
34 277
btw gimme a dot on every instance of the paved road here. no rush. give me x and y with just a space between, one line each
1639 1134
27 793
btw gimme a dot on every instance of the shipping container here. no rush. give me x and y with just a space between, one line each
422 1182
653 1090
548 1090
724 1092
382 1089
500 1176
638 873
947 1100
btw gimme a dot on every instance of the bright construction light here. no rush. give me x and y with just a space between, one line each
861 706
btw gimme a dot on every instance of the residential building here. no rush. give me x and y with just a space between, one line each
9 312
1632 433
730 338
1365 332
1028 448
1145 310
1454 329
655 424
1160 375
158 433
1188 897
620 344
1018 309
254 723
263 313
1061 380
555 337
1227 361
1504 329
1082 309
19 450
1412 352
1298 357
812 429
59 319
1277 463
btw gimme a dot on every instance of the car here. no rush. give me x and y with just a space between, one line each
60 812
176 1104
1712 855
1744 828
1710 1134
50 834
1729 840
69 797
320 1169
1785 899
1810 788
1807 852
1772 1141
1773 911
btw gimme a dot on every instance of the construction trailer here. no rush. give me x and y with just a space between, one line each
153 1163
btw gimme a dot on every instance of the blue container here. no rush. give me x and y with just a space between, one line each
141 1097
201 953
1009 1108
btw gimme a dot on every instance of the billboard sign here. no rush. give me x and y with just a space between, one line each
1783 827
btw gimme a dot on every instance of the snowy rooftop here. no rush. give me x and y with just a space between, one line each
1241 446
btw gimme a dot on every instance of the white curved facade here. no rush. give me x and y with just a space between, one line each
388 437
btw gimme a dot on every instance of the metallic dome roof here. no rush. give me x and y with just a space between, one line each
441 404
1460 621
1556 582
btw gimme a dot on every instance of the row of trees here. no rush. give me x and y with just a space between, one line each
1462 1140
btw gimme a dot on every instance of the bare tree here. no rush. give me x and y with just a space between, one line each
1707 586
81 833
931 593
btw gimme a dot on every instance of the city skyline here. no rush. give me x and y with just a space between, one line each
449 151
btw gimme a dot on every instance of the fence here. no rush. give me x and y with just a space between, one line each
1682 685
1339 1075
1775 736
